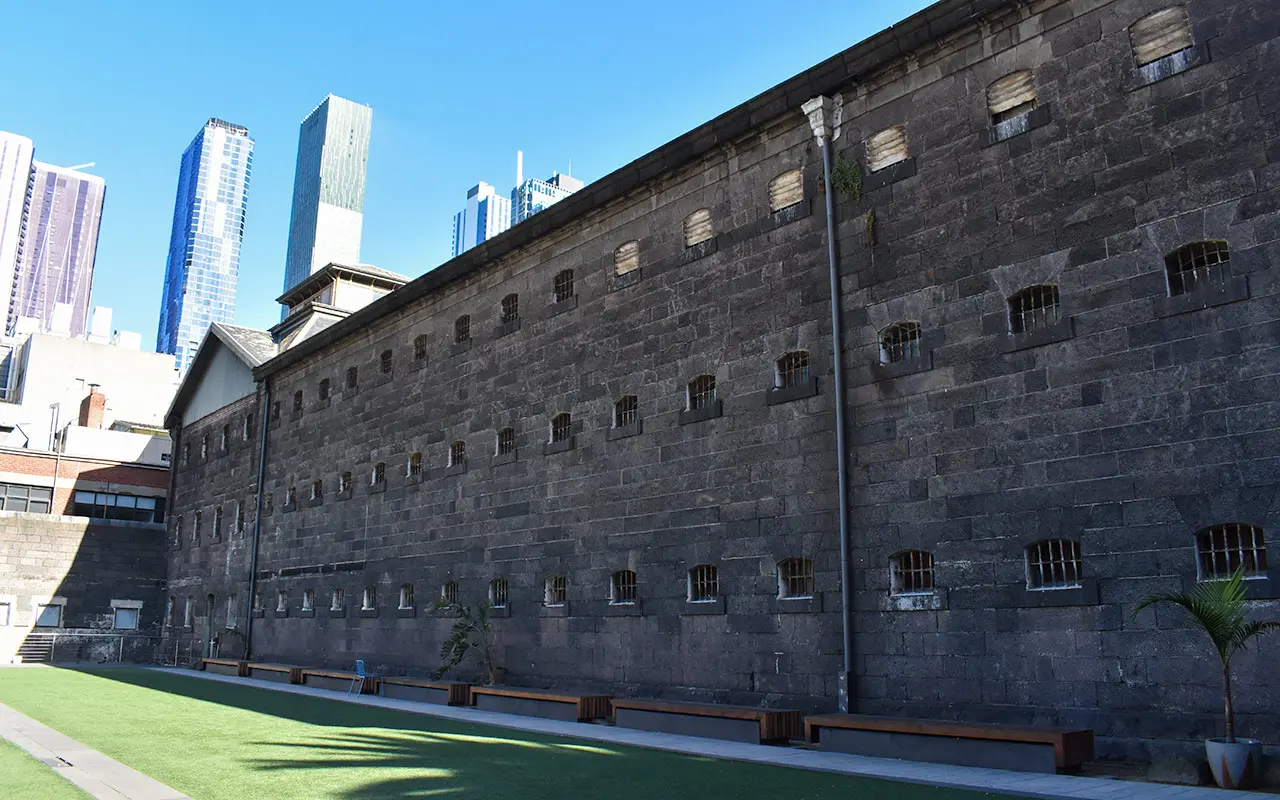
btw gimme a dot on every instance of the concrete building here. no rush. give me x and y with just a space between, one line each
204 246
1056 241
533 195
53 274
15 178
328 188
486 215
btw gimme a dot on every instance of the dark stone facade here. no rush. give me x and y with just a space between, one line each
1134 422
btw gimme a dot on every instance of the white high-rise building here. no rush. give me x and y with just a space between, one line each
487 214
15 179
533 195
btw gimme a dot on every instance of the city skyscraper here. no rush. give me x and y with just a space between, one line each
15 179
328 188
486 215
533 195
53 274
204 244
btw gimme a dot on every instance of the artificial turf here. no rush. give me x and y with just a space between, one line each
218 741
23 776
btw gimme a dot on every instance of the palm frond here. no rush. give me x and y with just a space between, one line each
1218 607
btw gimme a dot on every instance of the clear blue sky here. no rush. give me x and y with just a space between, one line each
456 89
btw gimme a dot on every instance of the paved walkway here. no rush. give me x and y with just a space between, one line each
93 772
1024 784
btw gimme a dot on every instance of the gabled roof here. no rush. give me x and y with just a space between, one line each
251 346
318 279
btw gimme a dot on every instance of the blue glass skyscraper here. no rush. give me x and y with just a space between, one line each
204 244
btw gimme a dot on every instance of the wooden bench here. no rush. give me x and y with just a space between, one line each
337 681
1017 747
279 673
225 666
536 703
449 693
736 723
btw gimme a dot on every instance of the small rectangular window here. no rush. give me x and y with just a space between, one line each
1161 34
887 147
49 616
126 619
1011 96
4 614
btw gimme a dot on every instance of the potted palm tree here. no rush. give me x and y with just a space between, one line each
1218 608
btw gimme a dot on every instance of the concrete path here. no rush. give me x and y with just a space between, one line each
99 776
1023 784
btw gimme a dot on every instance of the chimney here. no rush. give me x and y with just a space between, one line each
92 408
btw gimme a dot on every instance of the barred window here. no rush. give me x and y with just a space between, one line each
1160 34
344 483
256 601
510 308
414 469
406 595
795 578
449 592
186 454
246 428
704 584
1223 549
563 285
561 427
462 329
1054 564
384 362
231 613
32 499
457 453
506 441
188 611
308 600
697 227
317 491
626 258
239 517
275 411
379 475
498 592
324 390
702 392
337 600
792 369
786 190
268 503
369 599
911 572
204 446
900 342
887 148
626 411
555 590
195 528
291 496
1199 266
177 531
1011 96
1032 309
224 440
297 402
420 347
170 613
353 377
282 600
217 524
622 588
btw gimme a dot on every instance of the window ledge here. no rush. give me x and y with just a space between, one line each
561 446
316 501
624 432
369 613
504 458
290 507
561 610
897 171
712 411
350 392
1236 288
611 609
1058 332
383 377
459 348
378 488
1086 594
624 280
796 605
322 403
417 364
1168 66
413 478
800 391
507 328
1035 118
406 613
1266 587
337 613
922 601
343 495
282 614
702 607
307 612
567 304
900 369
700 250
455 469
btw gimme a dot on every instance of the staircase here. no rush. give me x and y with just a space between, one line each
36 648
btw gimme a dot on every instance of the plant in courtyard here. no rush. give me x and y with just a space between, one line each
472 631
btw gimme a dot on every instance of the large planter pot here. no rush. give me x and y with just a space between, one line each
1235 765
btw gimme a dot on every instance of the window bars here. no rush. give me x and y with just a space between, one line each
406 595
1032 309
1054 564
384 362
555 591
415 465
462 329
379 475
795 578
1199 266
217 524
1223 549
510 308
563 285
317 490
900 342
704 584
297 402
308 600
449 592
623 587
344 483
282 600
702 392
498 592
353 377
324 390
912 572
369 600
457 453
337 600
506 441
793 369
626 411
420 347
561 427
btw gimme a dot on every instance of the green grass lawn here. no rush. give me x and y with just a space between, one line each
23 776
216 741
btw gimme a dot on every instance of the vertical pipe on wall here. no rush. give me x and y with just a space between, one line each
824 118
264 412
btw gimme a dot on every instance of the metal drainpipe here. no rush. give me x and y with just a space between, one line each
824 118
263 418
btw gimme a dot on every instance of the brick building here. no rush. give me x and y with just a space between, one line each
1056 229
